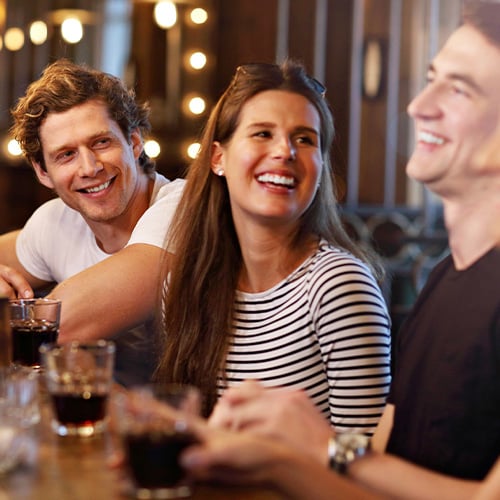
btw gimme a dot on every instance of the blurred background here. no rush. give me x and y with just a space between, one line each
372 56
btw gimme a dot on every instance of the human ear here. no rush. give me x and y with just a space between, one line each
217 159
42 175
136 141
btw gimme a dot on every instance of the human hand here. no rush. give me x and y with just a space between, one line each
13 284
231 456
281 413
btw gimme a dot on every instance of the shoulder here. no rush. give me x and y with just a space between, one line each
491 261
54 212
167 190
335 274
336 262
165 200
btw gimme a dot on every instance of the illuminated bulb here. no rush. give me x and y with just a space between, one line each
197 60
72 30
199 16
152 148
14 39
193 150
38 32
14 148
165 14
197 105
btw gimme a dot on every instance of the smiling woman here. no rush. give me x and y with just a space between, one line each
265 283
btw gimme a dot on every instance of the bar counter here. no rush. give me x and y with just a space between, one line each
70 468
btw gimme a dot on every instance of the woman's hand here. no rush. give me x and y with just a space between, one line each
284 414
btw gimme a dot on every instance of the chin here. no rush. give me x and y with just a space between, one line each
419 171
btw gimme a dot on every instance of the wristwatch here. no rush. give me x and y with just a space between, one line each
343 449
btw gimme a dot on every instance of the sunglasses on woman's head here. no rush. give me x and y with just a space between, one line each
253 68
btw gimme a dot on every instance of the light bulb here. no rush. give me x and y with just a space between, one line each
199 16
198 60
152 148
72 30
38 32
14 39
197 105
165 14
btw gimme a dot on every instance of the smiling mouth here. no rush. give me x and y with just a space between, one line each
277 180
96 189
429 138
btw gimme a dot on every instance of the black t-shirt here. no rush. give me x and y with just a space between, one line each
446 386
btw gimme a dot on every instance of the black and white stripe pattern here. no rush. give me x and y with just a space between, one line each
324 329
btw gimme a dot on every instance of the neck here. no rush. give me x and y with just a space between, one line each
269 257
473 227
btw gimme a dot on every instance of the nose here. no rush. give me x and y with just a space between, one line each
90 165
424 105
285 150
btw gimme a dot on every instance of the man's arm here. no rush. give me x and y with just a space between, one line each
383 430
394 477
113 295
398 478
290 417
15 281
247 458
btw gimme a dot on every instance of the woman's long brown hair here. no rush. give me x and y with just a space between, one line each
201 277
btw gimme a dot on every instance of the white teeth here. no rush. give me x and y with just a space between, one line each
98 188
430 138
277 179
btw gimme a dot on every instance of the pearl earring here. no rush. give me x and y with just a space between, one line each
220 172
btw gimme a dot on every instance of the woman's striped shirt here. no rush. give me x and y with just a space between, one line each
324 329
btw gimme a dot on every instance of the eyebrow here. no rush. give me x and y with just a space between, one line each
300 128
461 77
93 137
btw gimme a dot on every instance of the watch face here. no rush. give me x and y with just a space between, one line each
353 441
345 448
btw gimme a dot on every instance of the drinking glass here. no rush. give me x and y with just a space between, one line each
33 322
152 423
19 411
78 378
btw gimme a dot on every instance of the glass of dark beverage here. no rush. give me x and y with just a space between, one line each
152 421
78 377
33 322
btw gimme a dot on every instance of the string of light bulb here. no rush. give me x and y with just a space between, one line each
71 23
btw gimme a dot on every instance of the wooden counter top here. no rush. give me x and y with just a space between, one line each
70 468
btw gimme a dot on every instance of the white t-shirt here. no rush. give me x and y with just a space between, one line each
56 242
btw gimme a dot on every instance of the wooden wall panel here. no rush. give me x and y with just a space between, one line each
373 116
301 31
246 32
338 80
